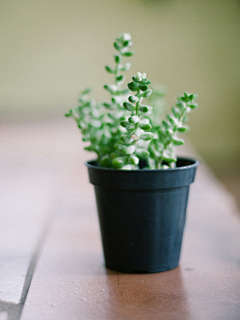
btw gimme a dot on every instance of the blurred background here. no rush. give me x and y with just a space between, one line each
52 49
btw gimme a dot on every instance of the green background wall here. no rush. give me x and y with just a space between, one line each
51 49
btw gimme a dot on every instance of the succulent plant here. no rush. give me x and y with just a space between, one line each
124 133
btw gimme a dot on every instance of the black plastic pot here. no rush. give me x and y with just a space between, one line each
142 215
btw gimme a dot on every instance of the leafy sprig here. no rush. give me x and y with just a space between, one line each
137 126
161 147
124 133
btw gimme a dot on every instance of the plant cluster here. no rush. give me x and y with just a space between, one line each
124 132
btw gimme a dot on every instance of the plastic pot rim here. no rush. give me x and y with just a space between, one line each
195 162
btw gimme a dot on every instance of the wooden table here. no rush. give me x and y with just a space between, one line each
51 262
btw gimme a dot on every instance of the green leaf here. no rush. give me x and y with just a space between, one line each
110 87
107 105
142 153
176 112
166 125
133 86
117 58
145 125
126 139
128 149
153 152
89 148
134 159
172 120
147 136
109 69
145 109
127 125
169 132
193 105
105 161
128 54
120 78
146 82
86 91
69 114
177 141
146 94
168 157
118 162
133 99
181 129
128 106
116 46
135 135
143 87
133 119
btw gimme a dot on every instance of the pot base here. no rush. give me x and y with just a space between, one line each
152 269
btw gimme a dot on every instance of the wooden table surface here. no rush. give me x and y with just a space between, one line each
51 262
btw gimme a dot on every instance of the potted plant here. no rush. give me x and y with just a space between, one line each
141 187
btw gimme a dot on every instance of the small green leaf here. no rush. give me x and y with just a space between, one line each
86 91
120 78
146 82
166 125
153 152
116 46
69 114
89 148
147 136
111 88
141 153
176 112
127 125
117 58
143 87
145 109
126 139
105 161
172 120
145 125
118 162
193 105
128 54
107 105
133 99
177 141
146 94
134 159
109 69
133 119
169 132
181 129
128 106
128 149
168 157
133 86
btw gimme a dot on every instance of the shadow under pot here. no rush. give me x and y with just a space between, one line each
142 215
